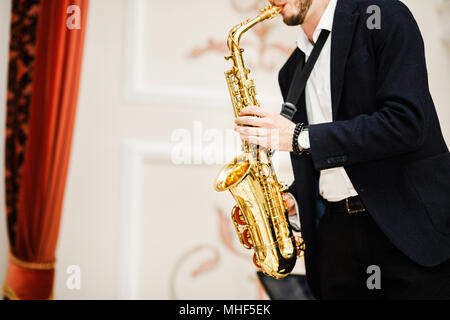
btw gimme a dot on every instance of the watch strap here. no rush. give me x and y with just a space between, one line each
295 147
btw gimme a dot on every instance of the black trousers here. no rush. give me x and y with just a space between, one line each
353 252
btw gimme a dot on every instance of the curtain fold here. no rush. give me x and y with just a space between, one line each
44 74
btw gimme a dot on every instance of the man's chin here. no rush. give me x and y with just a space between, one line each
292 20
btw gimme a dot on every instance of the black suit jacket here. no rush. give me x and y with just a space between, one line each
385 132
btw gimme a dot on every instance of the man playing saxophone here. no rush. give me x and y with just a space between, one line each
371 167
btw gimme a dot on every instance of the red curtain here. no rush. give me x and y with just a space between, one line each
44 73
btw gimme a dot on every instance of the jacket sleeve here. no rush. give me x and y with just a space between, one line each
398 125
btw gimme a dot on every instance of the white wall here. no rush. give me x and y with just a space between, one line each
128 211
438 57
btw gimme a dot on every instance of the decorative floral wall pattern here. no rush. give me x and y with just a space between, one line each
263 45
227 236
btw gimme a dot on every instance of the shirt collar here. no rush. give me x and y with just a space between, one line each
325 23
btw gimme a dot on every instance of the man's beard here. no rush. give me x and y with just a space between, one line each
299 18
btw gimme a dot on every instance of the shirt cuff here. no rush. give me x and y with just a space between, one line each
294 221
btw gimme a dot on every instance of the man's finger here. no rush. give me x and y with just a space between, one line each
252 131
253 111
287 196
290 203
249 121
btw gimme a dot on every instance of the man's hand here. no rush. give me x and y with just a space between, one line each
265 128
290 203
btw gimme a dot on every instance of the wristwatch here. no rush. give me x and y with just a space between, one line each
303 140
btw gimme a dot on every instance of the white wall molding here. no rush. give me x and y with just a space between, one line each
137 90
443 10
135 155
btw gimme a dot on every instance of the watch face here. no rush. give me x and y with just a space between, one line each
303 140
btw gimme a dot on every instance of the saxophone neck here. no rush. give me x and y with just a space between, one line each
242 89
236 33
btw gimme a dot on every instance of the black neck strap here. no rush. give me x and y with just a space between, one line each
301 76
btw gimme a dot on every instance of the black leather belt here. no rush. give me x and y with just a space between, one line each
350 205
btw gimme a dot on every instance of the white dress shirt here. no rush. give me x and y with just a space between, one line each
334 184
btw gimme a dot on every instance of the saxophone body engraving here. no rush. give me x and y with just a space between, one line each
260 216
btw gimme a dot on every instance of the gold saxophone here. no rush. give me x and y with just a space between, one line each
260 216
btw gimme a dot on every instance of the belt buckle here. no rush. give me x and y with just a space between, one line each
349 211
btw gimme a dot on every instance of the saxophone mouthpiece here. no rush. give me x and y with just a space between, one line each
271 11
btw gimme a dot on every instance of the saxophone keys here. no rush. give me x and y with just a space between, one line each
255 261
265 171
283 187
250 84
246 238
238 216
301 247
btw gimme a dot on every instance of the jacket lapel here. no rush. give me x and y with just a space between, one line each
343 29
